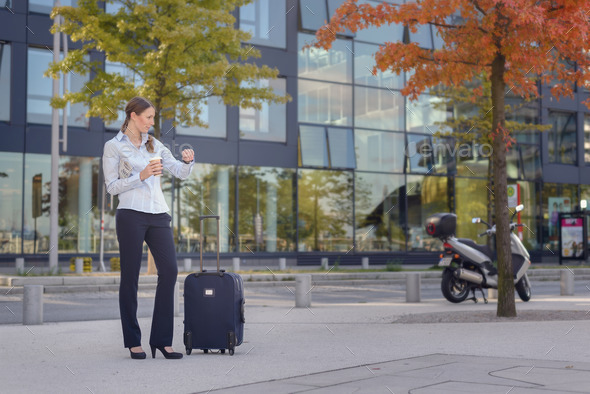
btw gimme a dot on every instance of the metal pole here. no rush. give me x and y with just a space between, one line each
64 139
103 197
54 195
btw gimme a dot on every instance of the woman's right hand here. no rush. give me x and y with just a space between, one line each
154 168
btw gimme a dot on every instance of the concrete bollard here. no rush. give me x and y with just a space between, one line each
282 264
365 263
20 265
188 265
236 263
177 299
413 287
302 291
79 266
325 263
492 294
33 304
567 282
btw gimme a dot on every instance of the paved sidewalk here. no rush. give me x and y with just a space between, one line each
328 348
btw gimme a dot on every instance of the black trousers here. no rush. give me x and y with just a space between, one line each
133 228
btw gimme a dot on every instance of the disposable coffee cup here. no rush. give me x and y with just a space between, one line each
159 159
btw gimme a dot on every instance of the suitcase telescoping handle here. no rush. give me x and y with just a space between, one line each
201 218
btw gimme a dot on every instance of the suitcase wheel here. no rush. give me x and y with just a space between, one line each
231 352
222 351
189 351
205 351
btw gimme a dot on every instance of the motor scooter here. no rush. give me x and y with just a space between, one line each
468 266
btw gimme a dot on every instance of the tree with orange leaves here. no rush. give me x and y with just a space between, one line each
516 44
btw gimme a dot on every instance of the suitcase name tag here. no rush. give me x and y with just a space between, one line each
209 292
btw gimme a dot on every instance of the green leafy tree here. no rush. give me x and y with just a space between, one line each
182 51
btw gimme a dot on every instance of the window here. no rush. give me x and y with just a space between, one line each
268 123
422 36
334 65
78 211
426 195
378 109
378 35
326 103
562 138
45 6
379 151
40 91
266 21
5 81
364 61
325 210
11 197
587 138
326 147
210 190
424 113
313 14
213 112
266 209
378 224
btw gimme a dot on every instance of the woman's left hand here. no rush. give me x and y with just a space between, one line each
188 155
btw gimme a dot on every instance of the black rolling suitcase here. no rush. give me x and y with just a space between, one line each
213 307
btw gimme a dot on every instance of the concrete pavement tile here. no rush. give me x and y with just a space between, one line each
570 379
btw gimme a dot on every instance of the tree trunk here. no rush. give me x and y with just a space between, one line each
506 305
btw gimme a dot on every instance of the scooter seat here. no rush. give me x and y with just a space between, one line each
481 248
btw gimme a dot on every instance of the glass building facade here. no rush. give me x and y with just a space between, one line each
340 170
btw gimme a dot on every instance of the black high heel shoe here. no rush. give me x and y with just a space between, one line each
167 354
138 355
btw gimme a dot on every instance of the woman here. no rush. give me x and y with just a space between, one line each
142 216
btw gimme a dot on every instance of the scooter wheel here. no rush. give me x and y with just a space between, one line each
523 289
454 289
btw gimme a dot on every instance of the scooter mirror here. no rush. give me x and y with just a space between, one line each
476 220
519 208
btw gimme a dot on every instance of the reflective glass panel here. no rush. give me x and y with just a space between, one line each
213 112
40 91
5 78
364 61
313 14
313 148
326 103
325 210
378 109
557 197
424 113
341 144
379 151
266 21
531 160
587 138
562 138
268 123
316 63
471 201
426 195
79 216
45 6
11 201
210 190
422 37
379 225
266 209
382 34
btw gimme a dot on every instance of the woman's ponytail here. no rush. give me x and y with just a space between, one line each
149 145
